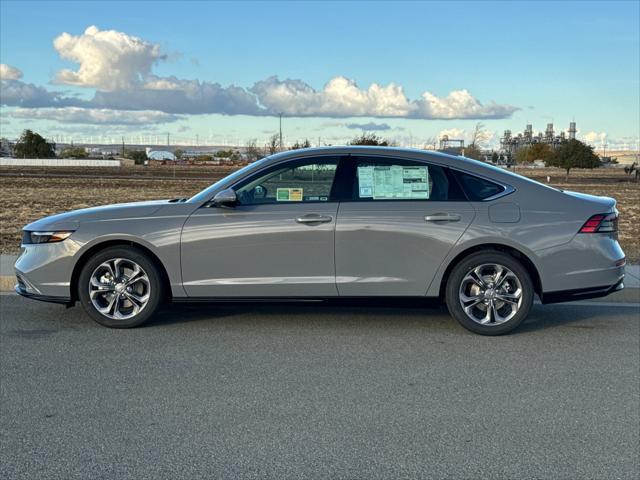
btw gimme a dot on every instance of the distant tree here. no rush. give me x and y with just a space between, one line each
298 145
73 152
494 157
370 139
178 153
574 154
473 151
539 151
230 154
522 156
252 151
32 145
479 135
430 143
274 144
139 157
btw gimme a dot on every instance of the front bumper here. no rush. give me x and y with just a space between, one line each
20 290
45 269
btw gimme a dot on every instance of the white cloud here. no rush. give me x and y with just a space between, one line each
7 72
95 115
595 138
108 59
452 133
119 67
460 104
174 95
341 97
369 127
487 139
16 93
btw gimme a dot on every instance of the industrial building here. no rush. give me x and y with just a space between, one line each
510 144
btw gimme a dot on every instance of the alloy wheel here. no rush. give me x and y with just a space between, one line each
119 288
490 294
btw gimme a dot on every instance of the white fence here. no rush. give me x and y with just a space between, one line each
56 162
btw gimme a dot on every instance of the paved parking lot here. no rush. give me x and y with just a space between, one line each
321 391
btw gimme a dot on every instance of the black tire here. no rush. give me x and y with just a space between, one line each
155 285
465 266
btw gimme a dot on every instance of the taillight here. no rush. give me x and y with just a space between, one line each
601 223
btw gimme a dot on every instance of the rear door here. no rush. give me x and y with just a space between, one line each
400 221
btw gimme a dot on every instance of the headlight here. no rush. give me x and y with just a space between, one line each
29 238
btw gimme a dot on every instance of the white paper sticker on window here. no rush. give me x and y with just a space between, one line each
393 182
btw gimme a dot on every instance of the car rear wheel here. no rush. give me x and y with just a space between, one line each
120 287
489 293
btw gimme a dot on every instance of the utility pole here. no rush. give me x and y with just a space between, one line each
168 139
281 131
123 147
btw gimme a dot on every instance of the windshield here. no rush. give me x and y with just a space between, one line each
207 193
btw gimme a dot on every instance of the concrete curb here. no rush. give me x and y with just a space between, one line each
7 283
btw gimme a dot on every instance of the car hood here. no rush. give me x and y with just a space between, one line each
71 220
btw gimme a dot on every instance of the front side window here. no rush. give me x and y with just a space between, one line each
295 182
377 180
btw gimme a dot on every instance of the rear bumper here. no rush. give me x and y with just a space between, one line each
581 293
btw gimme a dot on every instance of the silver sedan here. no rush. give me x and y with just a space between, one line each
333 222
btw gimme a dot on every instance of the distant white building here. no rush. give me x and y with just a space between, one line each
160 155
102 152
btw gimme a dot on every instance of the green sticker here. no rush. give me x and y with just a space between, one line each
282 195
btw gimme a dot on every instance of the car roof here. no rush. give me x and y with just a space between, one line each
454 161
460 163
439 157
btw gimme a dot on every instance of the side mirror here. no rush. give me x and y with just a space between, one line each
225 198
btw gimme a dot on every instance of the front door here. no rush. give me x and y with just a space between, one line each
401 221
278 241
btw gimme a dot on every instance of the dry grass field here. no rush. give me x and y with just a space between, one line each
29 193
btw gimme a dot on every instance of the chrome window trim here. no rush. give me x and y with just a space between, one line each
508 189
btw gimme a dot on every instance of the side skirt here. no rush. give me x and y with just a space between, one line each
365 301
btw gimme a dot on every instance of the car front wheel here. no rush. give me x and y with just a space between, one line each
489 293
120 287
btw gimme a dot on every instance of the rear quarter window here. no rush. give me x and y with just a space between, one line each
476 188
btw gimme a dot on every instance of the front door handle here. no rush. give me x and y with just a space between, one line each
314 218
443 217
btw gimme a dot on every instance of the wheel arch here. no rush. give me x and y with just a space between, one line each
514 252
89 252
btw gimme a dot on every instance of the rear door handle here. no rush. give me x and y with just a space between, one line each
314 218
443 217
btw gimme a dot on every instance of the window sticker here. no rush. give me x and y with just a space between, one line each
393 181
289 194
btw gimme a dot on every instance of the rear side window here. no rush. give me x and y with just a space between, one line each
391 179
476 188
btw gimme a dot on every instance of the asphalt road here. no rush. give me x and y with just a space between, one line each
318 391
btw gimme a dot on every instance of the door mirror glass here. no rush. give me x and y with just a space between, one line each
225 198
259 192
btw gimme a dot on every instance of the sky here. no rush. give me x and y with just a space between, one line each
222 72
